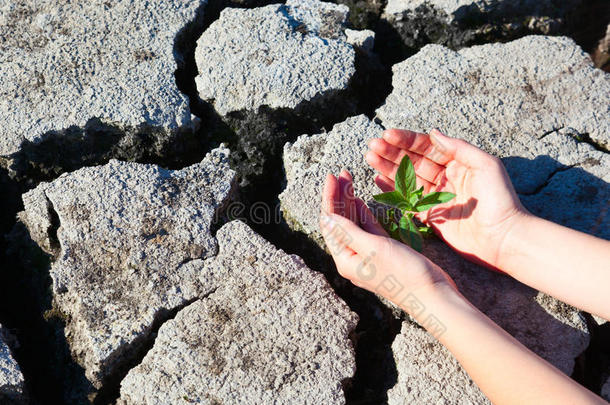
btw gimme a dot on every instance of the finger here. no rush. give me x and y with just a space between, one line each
386 150
350 234
408 140
367 220
348 262
428 170
336 242
448 148
346 191
384 183
424 167
330 196
388 170
393 153
421 144
383 166
428 186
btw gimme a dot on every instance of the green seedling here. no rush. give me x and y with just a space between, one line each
408 201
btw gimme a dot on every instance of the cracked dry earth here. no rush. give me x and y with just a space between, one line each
160 167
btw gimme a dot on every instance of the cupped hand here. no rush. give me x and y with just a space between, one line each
363 252
486 208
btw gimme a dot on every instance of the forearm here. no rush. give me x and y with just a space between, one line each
505 370
569 265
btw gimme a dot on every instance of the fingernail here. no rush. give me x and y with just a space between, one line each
439 141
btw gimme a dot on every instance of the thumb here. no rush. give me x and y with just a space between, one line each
352 236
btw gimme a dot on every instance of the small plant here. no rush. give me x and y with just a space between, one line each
408 200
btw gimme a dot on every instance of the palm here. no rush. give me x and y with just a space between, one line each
477 220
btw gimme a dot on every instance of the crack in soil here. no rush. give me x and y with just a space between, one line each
51 375
547 133
546 182
592 367
586 138
110 390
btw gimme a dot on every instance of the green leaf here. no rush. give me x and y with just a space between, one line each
413 199
430 200
392 198
404 181
409 233
426 231
393 227
387 221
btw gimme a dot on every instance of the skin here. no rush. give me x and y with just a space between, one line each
485 223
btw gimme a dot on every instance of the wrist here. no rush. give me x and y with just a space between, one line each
513 242
428 305
436 307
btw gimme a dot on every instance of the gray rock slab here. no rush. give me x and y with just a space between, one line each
555 331
536 112
363 39
599 320
64 63
277 56
12 383
576 188
548 84
120 235
271 331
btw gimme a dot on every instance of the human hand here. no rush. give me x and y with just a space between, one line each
486 208
363 252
